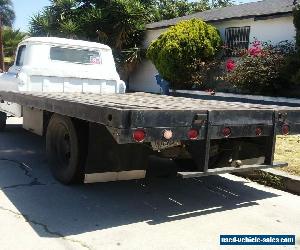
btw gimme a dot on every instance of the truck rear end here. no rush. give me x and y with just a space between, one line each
211 137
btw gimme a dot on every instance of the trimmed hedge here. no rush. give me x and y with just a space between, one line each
178 48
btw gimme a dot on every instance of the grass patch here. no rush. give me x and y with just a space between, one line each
288 150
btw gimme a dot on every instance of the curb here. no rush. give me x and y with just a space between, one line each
274 178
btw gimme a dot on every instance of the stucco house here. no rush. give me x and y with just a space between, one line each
239 25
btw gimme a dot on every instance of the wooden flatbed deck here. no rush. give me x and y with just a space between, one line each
132 109
132 101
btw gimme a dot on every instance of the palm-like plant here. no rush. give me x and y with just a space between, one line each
69 28
7 17
11 39
122 21
41 24
58 19
7 13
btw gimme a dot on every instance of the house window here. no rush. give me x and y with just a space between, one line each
237 38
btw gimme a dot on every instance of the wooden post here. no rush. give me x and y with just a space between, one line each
2 65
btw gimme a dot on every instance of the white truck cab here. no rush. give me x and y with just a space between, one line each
50 64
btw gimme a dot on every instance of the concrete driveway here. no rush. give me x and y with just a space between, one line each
36 212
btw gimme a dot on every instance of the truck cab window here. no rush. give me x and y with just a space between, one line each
71 55
21 55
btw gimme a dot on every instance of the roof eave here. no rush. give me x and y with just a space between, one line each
256 17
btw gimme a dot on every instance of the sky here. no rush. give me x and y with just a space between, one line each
26 8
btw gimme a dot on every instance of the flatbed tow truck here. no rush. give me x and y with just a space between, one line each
93 137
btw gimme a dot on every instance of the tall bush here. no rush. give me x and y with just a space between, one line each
178 48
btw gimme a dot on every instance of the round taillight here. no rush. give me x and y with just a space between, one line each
193 134
168 134
258 131
285 129
139 135
226 132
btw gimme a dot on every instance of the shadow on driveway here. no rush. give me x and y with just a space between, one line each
57 210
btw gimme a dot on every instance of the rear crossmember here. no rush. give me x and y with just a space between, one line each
263 126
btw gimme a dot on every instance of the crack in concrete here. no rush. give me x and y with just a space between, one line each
26 169
20 165
46 228
35 182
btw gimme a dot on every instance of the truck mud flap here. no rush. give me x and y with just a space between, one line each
109 161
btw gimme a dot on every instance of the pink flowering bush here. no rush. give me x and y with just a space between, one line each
230 65
259 70
256 49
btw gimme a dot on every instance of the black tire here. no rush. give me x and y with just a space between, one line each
3 117
66 147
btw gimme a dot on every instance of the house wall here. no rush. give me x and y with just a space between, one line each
143 79
273 30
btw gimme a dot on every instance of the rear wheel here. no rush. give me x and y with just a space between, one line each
66 147
3 118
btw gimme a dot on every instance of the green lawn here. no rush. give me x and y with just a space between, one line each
288 150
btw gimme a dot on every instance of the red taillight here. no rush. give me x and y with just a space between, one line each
139 135
258 131
193 134
285 129
226 132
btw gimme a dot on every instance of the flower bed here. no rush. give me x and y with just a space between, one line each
261 69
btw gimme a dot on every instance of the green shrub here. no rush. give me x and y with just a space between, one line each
176 50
